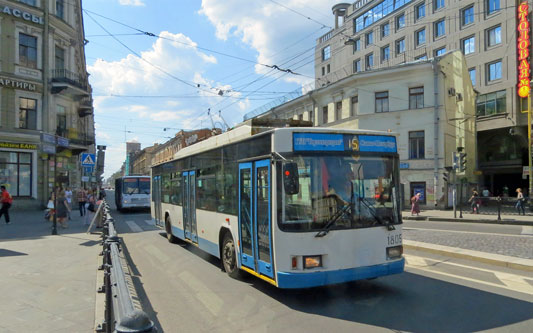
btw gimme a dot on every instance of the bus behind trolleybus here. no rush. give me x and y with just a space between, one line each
132 192
296 207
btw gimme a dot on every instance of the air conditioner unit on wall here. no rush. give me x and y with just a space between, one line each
459 97
451 92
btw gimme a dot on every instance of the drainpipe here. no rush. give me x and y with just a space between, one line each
315 113
45 117
435 130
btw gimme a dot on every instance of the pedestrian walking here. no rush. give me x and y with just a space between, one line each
415 204
520 201
68 196
90 206
82 199
474 201
7 201
62 209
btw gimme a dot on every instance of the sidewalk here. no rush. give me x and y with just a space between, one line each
447 216
48 282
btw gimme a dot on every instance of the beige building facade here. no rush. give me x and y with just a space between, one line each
373 34
427 103
46 112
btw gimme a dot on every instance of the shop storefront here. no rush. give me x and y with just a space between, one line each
17 168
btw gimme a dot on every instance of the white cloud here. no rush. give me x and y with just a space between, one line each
131 2
272 30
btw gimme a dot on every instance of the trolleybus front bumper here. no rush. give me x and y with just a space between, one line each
291 280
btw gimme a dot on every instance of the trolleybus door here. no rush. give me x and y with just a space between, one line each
189 205
156 198
254 217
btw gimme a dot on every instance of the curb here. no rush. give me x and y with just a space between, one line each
487 258
445 219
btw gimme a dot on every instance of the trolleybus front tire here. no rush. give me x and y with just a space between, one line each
168 228
229 257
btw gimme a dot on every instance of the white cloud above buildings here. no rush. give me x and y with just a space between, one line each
131 3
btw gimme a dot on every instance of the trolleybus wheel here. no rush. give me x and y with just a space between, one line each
229 258
168 228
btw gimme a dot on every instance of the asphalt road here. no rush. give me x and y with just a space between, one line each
184 290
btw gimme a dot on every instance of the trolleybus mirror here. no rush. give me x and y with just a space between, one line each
290 178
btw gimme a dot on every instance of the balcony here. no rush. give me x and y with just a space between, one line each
86 107
69 83
75 137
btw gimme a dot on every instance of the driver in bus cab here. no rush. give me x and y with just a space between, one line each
341 185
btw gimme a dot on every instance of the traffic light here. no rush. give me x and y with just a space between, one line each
446 177
462 162
455 160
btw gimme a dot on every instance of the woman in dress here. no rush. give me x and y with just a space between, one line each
63 209
415 206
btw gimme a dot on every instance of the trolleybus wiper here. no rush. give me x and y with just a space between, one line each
335 218
376 217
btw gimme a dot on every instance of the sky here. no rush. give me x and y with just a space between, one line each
159 66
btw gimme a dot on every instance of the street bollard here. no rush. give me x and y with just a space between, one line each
499 203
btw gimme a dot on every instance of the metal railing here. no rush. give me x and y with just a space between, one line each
121 315
66 76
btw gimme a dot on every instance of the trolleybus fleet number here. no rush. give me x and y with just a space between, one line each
394 239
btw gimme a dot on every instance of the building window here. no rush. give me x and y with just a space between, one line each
467 15
326 53
400 21
439 52
28 50
325 114
60 58
328 68
385 30
385 53
61 121
301 116
468 45
491 103
382 101
400 46
355 101
494 71
323 70
420 37
310 115
492 6
357 45
422 57
377 12
420 11
416 145
338 110
369 38
472 74
369 61
438 4
357 65
28 113
416 98
439 28
494 36
16 173
60 9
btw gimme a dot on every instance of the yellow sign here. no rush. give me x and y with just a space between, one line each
355 144
18 145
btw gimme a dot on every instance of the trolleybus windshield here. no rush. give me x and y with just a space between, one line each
341 191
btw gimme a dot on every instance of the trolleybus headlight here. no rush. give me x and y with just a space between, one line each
312 261
394 252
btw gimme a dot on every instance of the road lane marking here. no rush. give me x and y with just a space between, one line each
206 296
150 222
515 282
157 253
527 230
466 232
511 282
134 227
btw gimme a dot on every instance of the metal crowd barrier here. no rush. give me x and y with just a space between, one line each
120 312
496 206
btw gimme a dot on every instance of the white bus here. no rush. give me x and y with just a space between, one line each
132 192
297 207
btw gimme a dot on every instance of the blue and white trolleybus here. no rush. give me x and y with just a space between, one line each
296 206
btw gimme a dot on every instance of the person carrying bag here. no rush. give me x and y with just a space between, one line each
7 201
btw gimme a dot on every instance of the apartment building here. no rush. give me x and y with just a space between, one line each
427 103
373 34
46 112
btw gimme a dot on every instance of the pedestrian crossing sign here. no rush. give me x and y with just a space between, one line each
87 159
